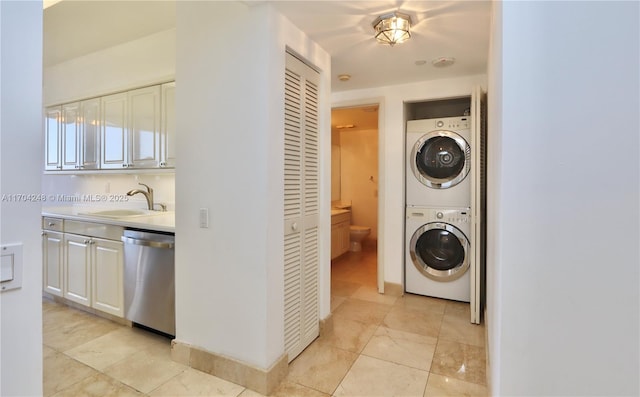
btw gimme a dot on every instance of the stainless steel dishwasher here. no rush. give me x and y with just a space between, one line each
149 287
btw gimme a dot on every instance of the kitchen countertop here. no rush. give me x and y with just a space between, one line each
159 221
338 211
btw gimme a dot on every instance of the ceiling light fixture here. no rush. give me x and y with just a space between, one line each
392 28
344 77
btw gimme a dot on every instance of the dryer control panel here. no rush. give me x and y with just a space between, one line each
444 215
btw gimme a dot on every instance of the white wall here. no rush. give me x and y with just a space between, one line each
358 163
229 277
21 143
391 158
564 231
148 60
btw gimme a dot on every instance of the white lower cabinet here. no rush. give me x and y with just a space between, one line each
340 227
88 270
93 273
77 269
107 281
52 255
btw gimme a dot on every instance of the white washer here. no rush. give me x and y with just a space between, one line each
438 162
438 249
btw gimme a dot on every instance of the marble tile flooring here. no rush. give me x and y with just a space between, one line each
379 346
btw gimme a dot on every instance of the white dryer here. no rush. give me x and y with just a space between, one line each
438 162
438 250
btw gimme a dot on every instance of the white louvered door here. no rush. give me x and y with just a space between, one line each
301 206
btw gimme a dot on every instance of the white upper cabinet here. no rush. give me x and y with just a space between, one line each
70 136
127 130
114 137
90 134
168 126
52 136
144 127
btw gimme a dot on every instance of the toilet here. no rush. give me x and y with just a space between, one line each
356 235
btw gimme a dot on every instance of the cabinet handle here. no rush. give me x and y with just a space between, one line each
43 233
163 164
51 224
125 165
87 241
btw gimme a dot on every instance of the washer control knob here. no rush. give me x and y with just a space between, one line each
439 123
439 215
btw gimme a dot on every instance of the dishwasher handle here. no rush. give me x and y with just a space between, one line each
148 243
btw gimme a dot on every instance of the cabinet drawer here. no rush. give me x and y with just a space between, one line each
109 232
346 217
54 224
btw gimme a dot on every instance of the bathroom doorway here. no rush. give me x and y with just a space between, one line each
354 195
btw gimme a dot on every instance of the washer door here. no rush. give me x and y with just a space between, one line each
441 159
440 251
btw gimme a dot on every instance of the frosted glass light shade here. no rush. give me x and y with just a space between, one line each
392 28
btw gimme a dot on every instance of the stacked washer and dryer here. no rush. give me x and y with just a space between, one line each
438 211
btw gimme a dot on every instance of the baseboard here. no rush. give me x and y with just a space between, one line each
326 325
487 355
393 289
256 379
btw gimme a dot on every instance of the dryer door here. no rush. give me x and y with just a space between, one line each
440 251
441 159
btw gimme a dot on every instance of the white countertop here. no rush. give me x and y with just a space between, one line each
160 221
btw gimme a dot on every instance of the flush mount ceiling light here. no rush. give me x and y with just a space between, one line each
392 28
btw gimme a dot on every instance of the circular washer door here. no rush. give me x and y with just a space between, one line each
441 159
440 251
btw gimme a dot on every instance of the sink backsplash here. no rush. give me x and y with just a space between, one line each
106 190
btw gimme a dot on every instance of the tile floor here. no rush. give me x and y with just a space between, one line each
379 346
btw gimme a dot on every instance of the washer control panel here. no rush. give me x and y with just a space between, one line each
453 123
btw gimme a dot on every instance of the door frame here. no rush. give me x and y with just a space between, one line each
363 102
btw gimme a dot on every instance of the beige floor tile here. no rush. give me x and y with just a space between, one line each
108 349
421 303
459 361
250 393
461 309
74 329
371 294
372 377
400 347
348 334
289 389
343 288
99 385
145 371
195 383
336 301
363 311
460 329
415 321
321 367
443 386
61 372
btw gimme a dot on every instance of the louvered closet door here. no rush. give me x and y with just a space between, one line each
301 206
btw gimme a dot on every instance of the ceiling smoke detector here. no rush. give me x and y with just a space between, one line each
443 62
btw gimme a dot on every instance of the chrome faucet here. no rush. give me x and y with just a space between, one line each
148 194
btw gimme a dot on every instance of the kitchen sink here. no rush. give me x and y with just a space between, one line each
120 213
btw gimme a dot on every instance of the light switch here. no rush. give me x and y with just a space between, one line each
10 266
6 268
204 218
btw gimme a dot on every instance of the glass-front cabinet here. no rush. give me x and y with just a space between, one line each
126 130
